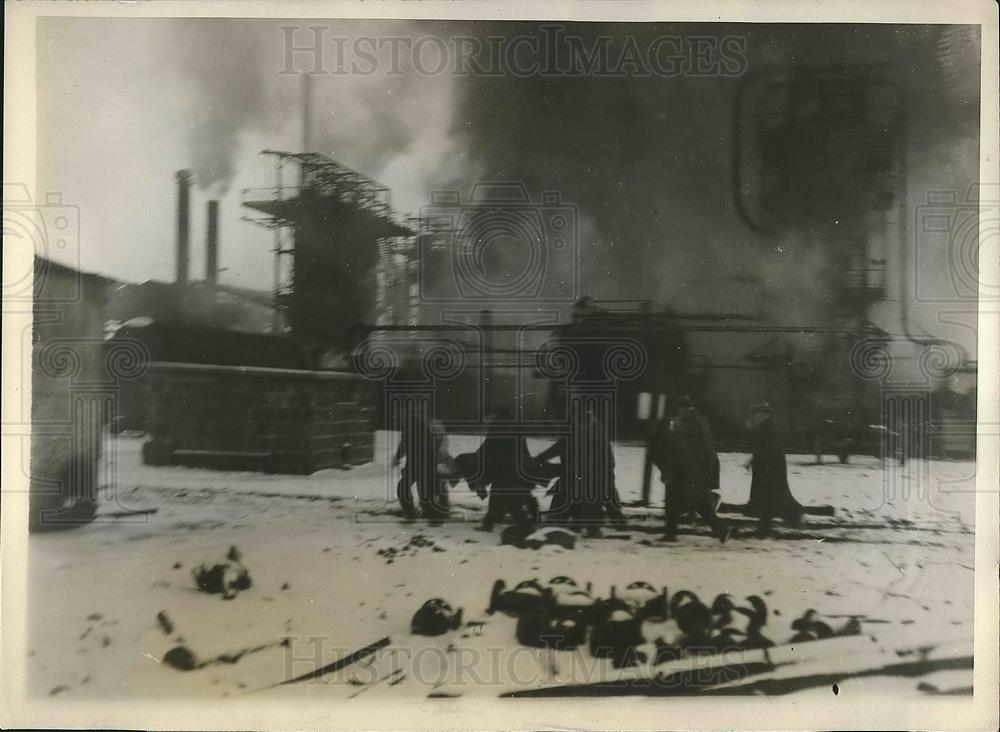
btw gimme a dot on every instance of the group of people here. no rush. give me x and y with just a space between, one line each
582 483
684 451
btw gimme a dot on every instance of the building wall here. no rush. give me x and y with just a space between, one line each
241 418
70 394
173 342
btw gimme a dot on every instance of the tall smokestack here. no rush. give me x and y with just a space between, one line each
306 127
306 112
183 224
212 244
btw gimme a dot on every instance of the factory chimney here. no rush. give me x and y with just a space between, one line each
212 244
183 225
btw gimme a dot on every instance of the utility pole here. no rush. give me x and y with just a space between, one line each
276 318
306 112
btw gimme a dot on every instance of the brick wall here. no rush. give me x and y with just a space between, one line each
243 418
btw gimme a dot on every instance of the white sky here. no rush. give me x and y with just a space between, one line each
118 100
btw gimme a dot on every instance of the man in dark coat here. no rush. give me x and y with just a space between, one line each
585 492
424 445
698 433
770 495
505 464
684 453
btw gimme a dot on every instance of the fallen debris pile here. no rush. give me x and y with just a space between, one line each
225 578
183 658
435 617
411 547
643 623
527 538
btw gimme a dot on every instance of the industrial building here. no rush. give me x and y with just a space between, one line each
365 313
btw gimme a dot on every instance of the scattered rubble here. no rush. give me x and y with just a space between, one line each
616 633
559 621
646 602
553 535
225 578
563 615
415 544
166 624
513 536
435 617
525 597
812 626
181 658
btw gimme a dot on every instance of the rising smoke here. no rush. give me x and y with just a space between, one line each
393 127
646 160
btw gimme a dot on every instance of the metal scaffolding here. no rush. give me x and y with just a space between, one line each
324 182
327 194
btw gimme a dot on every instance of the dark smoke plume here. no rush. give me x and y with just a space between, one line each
647 160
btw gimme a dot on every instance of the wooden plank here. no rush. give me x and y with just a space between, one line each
780 669
340 663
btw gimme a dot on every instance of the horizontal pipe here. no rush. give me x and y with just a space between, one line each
645 327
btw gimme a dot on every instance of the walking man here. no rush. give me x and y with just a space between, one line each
688 465
698 433
424 445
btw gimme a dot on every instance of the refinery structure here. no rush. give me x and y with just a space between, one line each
353 278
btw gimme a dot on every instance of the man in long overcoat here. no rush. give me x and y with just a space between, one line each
770 495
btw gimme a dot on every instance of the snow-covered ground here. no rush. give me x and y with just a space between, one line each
898 551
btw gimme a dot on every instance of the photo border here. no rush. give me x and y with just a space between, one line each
977 712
